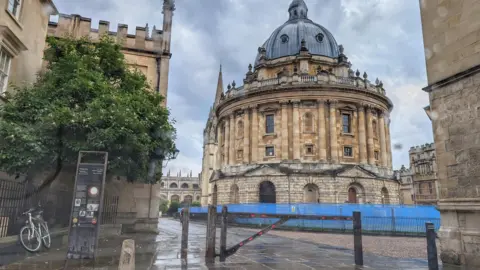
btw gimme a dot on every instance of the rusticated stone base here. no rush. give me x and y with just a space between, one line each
459 233
309 183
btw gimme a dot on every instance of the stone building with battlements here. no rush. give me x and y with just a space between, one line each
303 127
147 51
179 188
452 55
405 178
423 167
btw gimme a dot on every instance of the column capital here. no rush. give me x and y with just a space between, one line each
245 108
296 103
232 115
283 102
333 102
321 101
253 107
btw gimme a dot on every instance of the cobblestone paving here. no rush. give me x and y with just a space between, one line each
267 252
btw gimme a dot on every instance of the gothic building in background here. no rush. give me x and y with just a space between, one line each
303 127
180 188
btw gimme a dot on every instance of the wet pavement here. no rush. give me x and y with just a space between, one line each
266 252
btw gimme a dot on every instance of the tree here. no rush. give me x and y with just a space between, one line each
86 99
173 208
163 206
196 204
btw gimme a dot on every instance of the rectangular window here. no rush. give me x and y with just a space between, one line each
309 149
240 154
269 151
376 155
346 123
14 7
5 60
347 151
430 188
269 124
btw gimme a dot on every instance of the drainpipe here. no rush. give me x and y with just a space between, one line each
158 59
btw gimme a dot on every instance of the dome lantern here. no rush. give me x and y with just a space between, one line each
298 10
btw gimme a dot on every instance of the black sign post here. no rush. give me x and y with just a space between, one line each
87 205
431 246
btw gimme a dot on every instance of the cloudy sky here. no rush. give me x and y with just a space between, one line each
381 37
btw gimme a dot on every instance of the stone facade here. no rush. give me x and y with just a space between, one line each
452 47
181 188
23 29
423 166
407 192
302 128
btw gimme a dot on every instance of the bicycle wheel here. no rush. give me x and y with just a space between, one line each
46 240
30 239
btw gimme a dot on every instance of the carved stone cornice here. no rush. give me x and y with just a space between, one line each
296 103
283 102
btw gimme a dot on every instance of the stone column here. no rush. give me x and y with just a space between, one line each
246 135
362 137
226 143
296 130
254 134
322 131
370 145
232 157
284 132
333 131
219 146
389 143
383 142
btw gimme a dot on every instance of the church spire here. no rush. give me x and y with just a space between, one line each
298 10
219 92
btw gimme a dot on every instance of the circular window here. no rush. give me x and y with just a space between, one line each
319 37
284 38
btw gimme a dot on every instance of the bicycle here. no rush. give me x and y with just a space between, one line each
36 229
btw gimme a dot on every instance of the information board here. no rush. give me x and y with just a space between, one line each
87 207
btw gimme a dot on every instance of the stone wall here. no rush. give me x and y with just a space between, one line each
450 33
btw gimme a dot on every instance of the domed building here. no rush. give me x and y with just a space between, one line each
303 128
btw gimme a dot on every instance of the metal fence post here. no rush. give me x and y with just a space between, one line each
211 234
357 237
223 234
431 247
393 220
185 221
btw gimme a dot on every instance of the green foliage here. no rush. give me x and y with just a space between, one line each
196 204
173 208
87 99
163 206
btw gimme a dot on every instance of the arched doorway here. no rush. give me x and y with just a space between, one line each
175 198
310 194
234 194
385 196
188 199
214 195
352 195
267 192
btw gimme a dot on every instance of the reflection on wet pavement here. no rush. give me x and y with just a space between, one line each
266 252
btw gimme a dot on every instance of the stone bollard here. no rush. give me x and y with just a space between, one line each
127 255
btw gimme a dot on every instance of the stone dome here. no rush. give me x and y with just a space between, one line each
286 40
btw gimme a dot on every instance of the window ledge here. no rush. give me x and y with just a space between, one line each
348 134
15 19
349 157
269 134
309 132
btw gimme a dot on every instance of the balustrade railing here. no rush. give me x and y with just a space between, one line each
270 82
308 78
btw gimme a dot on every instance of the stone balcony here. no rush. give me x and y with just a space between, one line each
298 79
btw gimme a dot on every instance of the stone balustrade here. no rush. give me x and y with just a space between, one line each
295 79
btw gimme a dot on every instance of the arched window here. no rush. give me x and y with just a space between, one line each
234 194
240 129
374 128
188 199
175 198
267 192
173 185
308 122
184 185
310 194
195 186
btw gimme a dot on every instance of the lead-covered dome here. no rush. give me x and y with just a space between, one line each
286 40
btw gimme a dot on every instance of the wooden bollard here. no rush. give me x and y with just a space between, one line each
357 238
127 255
211 234
185 222
223 234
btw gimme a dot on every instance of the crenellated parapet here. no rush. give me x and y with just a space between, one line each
422 148
78 26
